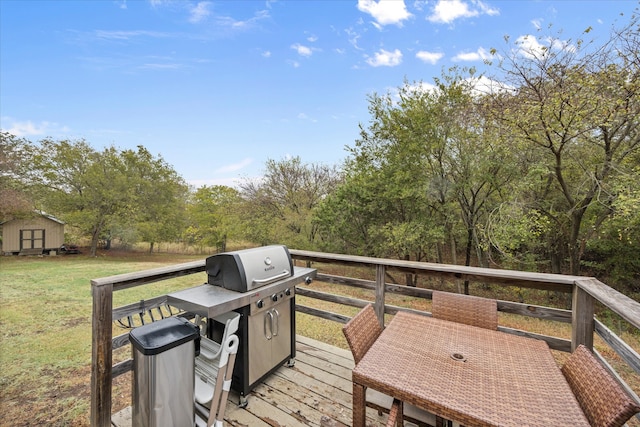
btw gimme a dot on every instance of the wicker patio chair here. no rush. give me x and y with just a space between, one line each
395 414
361 332
601 398
470 310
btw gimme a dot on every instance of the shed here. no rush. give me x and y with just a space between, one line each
34 235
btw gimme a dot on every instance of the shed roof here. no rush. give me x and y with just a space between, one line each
40 213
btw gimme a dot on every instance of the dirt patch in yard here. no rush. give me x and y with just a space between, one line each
59 398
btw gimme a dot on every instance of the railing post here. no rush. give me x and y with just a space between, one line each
380 274
101 354
581 318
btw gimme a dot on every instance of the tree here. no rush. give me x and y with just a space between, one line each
160 197
573 108
213 216
427 160
383 207
100 192
279 207
14 200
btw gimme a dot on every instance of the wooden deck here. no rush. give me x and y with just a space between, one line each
314 392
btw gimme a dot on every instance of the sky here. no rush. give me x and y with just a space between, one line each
217 88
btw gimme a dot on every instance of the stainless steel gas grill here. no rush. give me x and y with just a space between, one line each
259 284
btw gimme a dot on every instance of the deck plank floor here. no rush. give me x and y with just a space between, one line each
317 387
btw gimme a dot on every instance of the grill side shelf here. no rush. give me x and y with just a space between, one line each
210 301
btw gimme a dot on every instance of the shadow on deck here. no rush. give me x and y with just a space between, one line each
314 392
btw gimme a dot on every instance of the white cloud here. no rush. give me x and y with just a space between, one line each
227 182
199 12
386 58
429 57
479 55
421 87
127 35
249 23
353 38
385 12
302 50
303 116
158 66
484 85
202 11
537 24
530 47
28 128
485 9
235 166
447 11
266 54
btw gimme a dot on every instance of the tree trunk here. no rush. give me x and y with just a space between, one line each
94 242
467 256
408 277
574 246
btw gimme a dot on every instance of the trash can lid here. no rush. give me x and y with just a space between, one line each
158 337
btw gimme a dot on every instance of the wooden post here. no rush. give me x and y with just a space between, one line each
380 273
101 354
582 318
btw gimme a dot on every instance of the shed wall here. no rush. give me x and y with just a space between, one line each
53 235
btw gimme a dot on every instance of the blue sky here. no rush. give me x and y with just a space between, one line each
218 87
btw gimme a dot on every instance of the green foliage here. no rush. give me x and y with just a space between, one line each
426 162
213 216
127 194
614 250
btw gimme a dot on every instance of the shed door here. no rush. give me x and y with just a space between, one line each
32 239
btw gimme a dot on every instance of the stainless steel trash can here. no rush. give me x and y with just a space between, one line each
163 370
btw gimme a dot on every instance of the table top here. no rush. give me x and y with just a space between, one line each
467 374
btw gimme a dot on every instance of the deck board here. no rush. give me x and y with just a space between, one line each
318 386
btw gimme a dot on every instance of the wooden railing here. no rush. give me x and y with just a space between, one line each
584 291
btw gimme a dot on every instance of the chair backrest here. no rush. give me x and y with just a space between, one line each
470 310
601 398
362 331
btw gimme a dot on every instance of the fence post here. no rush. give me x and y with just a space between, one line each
380 274
582 310
101 353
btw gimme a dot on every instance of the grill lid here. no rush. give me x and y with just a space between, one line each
248 269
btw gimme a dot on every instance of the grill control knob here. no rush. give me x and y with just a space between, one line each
260 303
274 297
287 292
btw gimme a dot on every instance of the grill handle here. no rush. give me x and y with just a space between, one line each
285 273
268 315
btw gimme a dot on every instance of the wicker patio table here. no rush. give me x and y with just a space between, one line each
475 376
